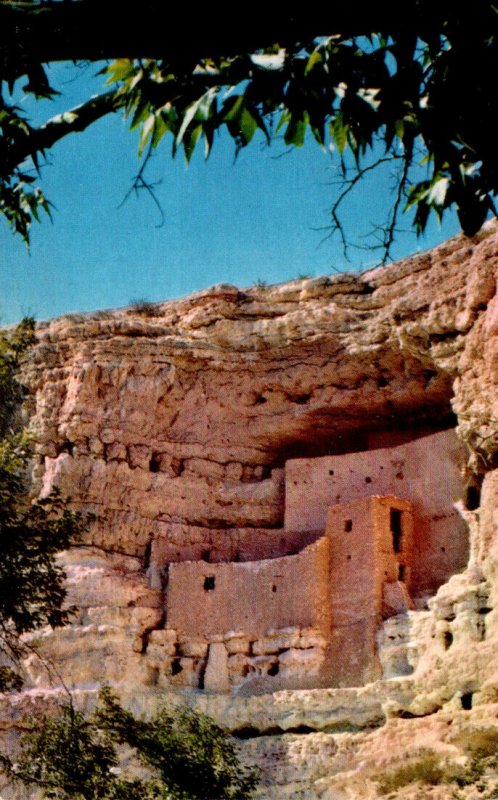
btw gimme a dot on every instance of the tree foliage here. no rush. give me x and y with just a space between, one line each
32 590
185 755
412 84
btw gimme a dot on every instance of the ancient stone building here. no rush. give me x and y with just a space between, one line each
283 436
312 618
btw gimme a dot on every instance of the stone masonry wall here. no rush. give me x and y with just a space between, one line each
253 597
362 563
427 471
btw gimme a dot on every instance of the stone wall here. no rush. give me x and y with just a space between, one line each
427 471
365 581
174 428
204 600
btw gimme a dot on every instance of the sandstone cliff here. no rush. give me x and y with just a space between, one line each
173 425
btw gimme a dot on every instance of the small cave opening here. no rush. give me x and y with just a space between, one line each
472 497
447 639
66 447
154 463
300 399
176 667
273 670
466 701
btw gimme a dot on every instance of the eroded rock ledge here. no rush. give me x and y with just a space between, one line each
176 424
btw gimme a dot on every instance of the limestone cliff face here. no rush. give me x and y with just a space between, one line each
173 426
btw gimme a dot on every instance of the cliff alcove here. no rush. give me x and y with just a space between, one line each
294 500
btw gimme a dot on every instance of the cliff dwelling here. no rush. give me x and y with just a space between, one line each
373 534
276 477
293 488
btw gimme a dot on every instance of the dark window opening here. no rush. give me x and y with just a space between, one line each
154 464
206 556
395 525
466 701
368 480
176 667
331 471
273 670
209 583
473 498
401 572
147 554
349 558
447 640
348 525
274 588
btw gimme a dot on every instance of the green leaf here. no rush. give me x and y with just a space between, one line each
232 107
296 131
200 107
190 140
119 70
315 58
339 132
438 191
247 125
146 132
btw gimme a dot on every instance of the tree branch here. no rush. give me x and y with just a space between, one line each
75 120
78 30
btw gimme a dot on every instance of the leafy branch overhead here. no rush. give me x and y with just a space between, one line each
414 85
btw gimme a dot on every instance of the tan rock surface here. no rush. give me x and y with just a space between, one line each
174 428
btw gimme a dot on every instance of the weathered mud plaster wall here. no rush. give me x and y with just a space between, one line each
428 471
209 599
369 544
174 430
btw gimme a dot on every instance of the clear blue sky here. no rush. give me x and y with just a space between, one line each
254 219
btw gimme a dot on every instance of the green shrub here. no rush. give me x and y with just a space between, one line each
426 769
144 307
185 754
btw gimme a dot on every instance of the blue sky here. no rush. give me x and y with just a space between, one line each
255 219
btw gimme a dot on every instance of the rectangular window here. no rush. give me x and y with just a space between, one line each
396 531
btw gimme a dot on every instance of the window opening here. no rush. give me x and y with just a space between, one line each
348 525
395 525
209 583
401 572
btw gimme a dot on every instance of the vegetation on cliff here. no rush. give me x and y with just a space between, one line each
178 755
32 590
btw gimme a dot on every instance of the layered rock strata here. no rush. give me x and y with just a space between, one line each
176 426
